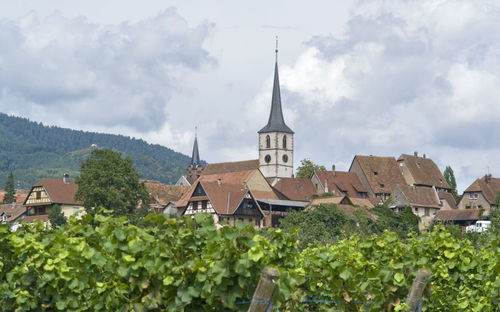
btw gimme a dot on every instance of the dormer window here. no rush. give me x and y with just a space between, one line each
375 172
268 141
419 165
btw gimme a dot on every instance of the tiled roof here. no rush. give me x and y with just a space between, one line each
163 194
420 196
232 177
20 195
342 182
424 171
488 185
448 197
225 198
296 189
12 211
460 214
60 192
341 202
231 166
382 173
29 219
362 202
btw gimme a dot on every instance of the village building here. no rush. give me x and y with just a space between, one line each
461 217
424 202
349 206
481 193
447 201
379 175
163 196
12 214
422 171
338 183
195 168
47 193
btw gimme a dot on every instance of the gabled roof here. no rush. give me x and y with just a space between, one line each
31 218
343 200
12 211
487 185
59 192
225 198
346 182
448 197
419 196
382 173
424 171
296 189
231 166
276 122
163 194
460 214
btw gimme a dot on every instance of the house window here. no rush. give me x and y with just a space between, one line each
375 172
268 141
427 212
195 205
257 222
204 204
284 141
471 196
475 195
38 194
440 203
4 217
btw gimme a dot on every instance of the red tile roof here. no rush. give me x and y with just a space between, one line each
424 171
296 189
382 173
487 185
225 198
460 214
162 194
12 211
345 200
420 196
60 192
342 182
29 219
448 197
231 166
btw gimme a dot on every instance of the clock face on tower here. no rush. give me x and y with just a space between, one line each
285 158
267 158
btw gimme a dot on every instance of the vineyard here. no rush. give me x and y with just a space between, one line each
106 264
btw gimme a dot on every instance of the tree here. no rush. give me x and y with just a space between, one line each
449 176
10 191
307 168
56 217
109 181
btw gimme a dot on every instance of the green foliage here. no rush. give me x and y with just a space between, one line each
106 264
10 191
56 217
402 223
449 176
323 224
33 151
307 168
109 181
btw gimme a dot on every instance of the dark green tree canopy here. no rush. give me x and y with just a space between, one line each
10 191
449 176
109 181
307 168
56 217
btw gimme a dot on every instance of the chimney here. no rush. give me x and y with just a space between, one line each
415 154
425 156
333 167
66 178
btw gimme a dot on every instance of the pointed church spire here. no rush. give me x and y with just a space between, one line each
195 159
276 121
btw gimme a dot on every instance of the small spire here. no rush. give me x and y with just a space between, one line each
195 159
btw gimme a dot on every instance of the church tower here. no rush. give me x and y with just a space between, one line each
194 169
276 138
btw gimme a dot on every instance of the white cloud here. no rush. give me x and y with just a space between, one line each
55 68
404 76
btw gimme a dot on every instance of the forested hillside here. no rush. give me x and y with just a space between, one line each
33 151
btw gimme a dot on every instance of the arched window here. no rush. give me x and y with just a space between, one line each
268 141
284 141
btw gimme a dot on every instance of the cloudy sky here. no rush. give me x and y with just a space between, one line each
368 77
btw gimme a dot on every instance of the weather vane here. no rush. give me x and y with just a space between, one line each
276 48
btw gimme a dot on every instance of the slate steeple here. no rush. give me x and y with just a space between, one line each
276 121
195 159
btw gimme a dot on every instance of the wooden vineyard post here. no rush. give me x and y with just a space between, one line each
264 292
417 289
